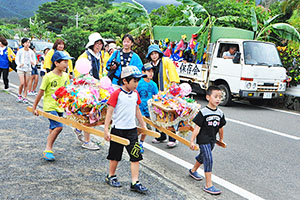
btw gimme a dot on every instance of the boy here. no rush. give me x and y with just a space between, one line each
146 88
122 110
51 82
211 121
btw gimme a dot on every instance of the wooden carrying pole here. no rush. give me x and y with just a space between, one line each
148 132
79 126
169 133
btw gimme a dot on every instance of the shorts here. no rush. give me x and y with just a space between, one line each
26 73
205 156
116 150
55 124
34 71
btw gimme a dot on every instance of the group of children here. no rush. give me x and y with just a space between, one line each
126 104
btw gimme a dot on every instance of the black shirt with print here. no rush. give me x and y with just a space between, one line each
209 121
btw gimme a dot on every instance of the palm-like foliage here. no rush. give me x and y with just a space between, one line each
283 30
137 10
207 24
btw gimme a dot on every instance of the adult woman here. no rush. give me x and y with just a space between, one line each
165 75
6 56
94 54
123 58
25 59
59 45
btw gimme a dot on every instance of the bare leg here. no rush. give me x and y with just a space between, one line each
143 137
208 179
196 166
86 137
134 166
30 83
21 78
52 137
25 85
36 80
113 167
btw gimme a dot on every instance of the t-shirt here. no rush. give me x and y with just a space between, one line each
50 83
227 53
124 104
210 121
146 91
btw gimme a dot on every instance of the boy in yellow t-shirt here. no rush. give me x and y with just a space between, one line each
51 82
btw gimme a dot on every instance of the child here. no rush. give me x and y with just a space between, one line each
123 109
51 82
34 76
211 121
25 59
146 88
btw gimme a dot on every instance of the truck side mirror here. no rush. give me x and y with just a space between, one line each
237 58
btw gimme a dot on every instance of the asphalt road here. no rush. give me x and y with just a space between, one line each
261 160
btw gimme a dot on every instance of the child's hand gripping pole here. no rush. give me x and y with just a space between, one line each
79 126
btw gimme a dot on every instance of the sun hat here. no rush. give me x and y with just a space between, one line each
60 55
147 66
154 47
132 71
94 37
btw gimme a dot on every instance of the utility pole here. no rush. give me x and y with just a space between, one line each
77 18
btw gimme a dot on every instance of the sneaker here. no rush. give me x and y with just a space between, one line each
195 175
30 93
141 147
35 93
171 144
19 99
79 134
90 146
212 190
113 181
48 155
25 101
156 141
138 187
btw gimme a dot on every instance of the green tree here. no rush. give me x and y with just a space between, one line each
75 39
167 15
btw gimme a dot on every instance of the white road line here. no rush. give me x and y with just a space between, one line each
264 129
283 111
234 188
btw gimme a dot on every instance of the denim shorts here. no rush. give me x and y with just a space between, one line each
34 71
55 124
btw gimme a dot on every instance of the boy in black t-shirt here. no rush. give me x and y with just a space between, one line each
209 121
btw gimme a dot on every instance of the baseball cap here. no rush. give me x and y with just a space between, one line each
60 55
147 67
132 71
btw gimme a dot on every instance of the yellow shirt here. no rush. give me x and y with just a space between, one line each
51 82
48 62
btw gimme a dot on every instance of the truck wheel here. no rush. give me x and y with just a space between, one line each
227 98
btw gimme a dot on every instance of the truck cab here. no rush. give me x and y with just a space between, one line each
255 73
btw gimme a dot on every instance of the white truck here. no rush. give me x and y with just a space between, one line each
255 73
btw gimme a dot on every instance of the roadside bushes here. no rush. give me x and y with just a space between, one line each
291 61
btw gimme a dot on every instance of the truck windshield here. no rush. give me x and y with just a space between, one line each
260 53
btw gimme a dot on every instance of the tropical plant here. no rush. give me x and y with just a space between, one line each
167 15
282 30
290 58
38 28
207 24
138 11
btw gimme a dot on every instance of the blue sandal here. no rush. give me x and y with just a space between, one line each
212 190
